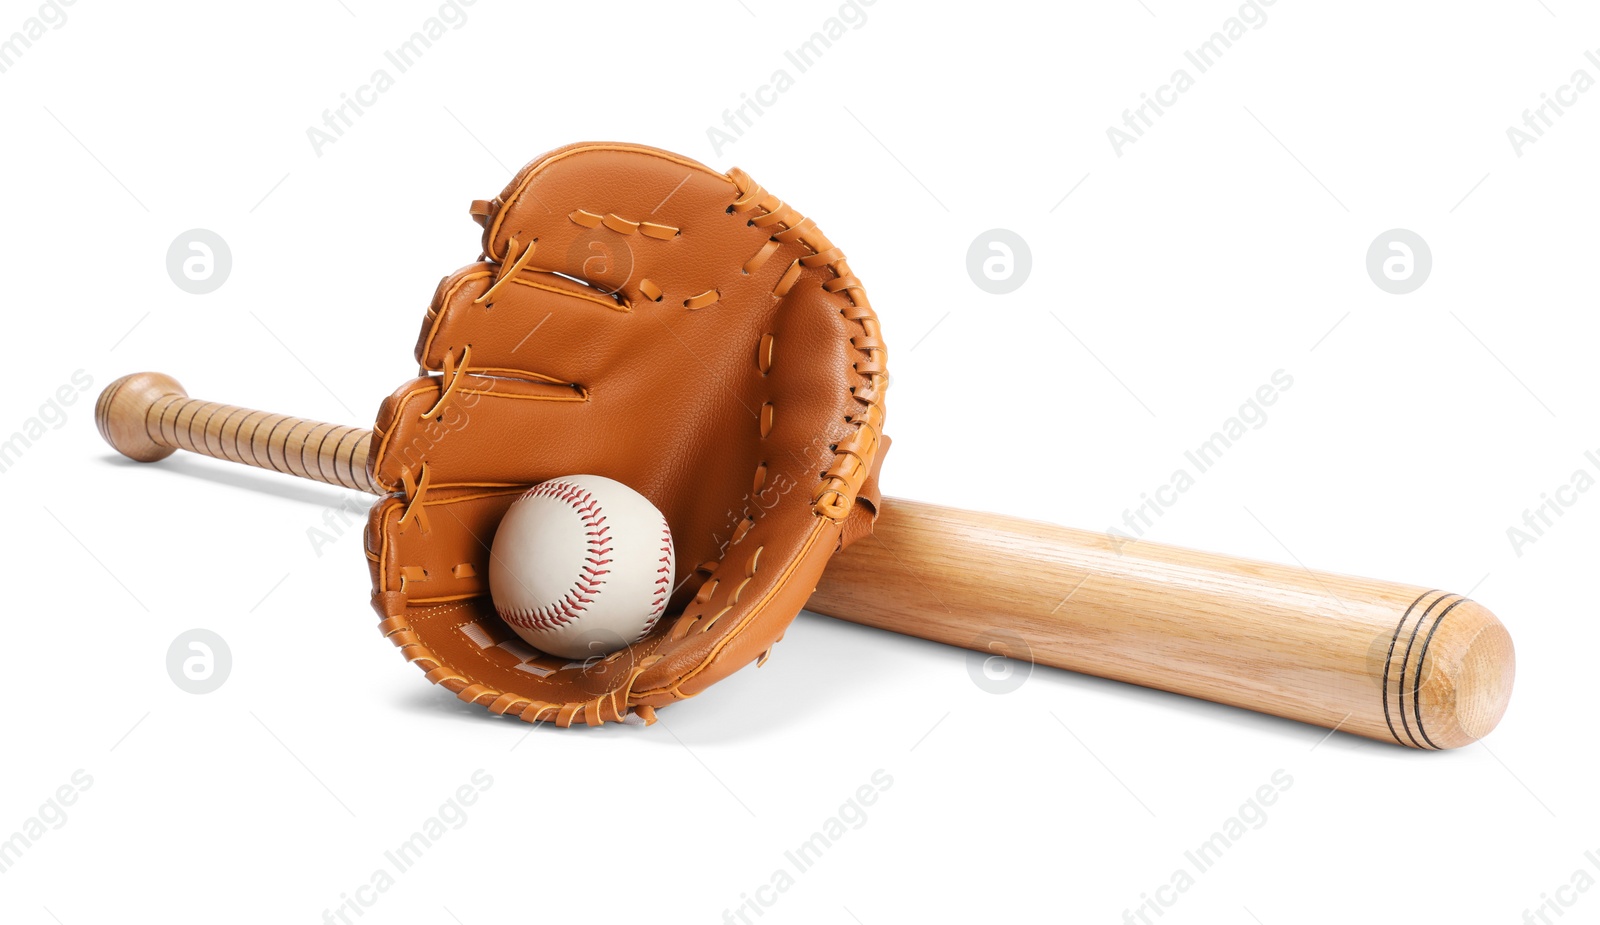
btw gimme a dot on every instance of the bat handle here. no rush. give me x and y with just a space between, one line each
146 416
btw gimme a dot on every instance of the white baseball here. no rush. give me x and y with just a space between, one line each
581 566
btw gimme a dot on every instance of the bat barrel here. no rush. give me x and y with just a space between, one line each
1399 663
146 416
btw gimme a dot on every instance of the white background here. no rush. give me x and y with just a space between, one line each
1226 244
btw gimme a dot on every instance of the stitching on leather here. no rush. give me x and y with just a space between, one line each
765 352
441 309
507 272
382 436
621 225
512 372
697 302
590 577
609 707
610 303
733 596
578 394
836 491
519 183
413 491
449 380
442 300
676 688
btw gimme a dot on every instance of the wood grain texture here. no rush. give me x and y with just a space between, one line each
146 416
1399 663
1392 662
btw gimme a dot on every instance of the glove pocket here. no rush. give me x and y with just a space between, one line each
430 589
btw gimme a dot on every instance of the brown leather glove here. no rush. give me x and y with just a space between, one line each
704 344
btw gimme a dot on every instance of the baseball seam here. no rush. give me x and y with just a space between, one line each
574 603
663 582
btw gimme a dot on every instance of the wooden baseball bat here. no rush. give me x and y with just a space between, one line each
1398 663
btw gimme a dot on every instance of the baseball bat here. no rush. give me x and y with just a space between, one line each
1399 663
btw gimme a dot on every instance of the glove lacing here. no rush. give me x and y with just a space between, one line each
837 491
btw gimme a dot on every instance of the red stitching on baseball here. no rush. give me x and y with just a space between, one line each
658 606
571 605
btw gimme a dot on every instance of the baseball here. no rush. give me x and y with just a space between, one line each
581 566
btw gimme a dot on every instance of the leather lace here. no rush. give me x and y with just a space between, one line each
450 379
843 479
415 490
508 271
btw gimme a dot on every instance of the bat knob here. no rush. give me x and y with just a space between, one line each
123 408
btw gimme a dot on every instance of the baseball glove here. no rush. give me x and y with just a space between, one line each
639 316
